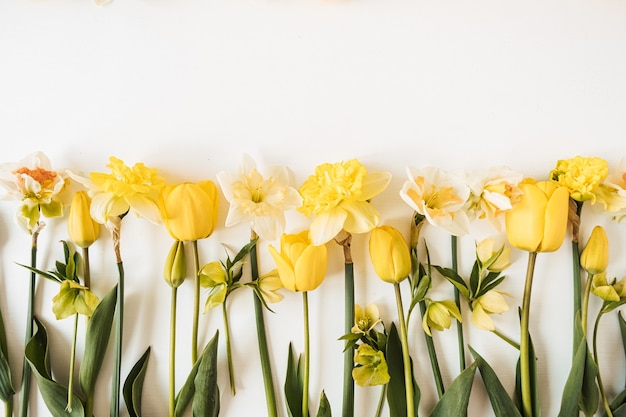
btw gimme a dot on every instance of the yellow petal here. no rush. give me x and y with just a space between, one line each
525 221
481 319
555 220
285 269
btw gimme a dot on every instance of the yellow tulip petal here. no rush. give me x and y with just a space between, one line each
555 220
310 269
285 270
525 221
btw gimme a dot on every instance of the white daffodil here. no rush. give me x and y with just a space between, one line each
33 182
260 200
439 196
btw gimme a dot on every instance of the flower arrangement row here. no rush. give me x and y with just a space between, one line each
534 214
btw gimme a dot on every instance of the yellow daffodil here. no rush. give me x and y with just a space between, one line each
82 229
491 259
371 367
492 302
581 176
33 182
301 264
538 222
260 200
438 315
124 189
189 210
438 196
365 320
339 196
595 256
390 254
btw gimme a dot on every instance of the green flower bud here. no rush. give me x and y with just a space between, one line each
175 269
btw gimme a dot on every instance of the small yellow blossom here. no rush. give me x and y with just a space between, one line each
494 260
492 302
371 367
581 176
601 287
438 315
269 284
595 256
365 320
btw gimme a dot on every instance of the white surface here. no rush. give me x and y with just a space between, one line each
188 86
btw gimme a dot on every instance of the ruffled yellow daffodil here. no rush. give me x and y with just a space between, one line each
492 302
439 315
82 229
439 196
371 367
365 319
581 176
339 196
595 256
189 210
301 264
260 200
538 222
390 254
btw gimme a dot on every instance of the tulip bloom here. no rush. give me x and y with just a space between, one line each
189 210
538 222
595 257
390 254
301 265
82 229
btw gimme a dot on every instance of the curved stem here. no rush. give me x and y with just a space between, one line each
585 305
527 400
172 382
406 358
26 372
196 303
605 402
381 401
229 353
457 301
307 356
70 384
432 354
506 339
119 331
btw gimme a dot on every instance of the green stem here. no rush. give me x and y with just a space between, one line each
196 303
172 387
605 402
307 356
26 372
585 304
8 407
432 354
506 339
406 358
87 282
70 384
266 366
381 401
229 353
527 400
119 330
457 301
577 284
348 358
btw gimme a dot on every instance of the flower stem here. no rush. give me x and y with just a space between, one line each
172 387
457 301
119 331
266 366
307 356
348 358
577 285
381 401
229 353
506 339
8 407
605 402
527 400
70 384
585 305
196 303
406 358
432 354
87 282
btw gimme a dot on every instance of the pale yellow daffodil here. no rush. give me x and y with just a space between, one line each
492 302
439 196
259 199
339 195
612 192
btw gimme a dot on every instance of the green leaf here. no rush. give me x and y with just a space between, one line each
96 342
455 279
324 408
618 405
622 330
53 394
396 392
456 398
6 386
133 385
206 399
501 403
44 274
187 391
474 279
533 380
293 384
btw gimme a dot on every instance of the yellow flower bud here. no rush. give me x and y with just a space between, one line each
82 229
595 257
390 254
175 269
492 259
301 265
538 222
189 210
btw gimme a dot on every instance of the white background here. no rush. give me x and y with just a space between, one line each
189 86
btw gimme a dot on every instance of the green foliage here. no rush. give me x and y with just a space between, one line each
6 386
396 390
133 386
456 398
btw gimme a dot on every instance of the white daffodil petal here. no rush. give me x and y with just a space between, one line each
326 225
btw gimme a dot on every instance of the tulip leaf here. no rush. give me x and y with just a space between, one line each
533 380
622 330
206 400
53 393
396 392
324 409
96 342
455 401
6 386
294 383
618 405
501 403
133 386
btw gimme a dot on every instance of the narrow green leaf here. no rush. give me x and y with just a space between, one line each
501 402
53 394
456 398
396 392
455 279
618 405
293 385
133 385
324 408
574 382
488 287
206 400
589 396
96 342
6 386
474 279
622 330
187 391
44 274
533 381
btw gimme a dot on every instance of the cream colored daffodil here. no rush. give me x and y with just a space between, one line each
612 192
258 199
339 195
439 196
124 189
492 302
33 182
365 320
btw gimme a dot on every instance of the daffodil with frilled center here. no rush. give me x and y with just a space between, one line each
33 182
439 196
581 176
124 189
339 195
258 199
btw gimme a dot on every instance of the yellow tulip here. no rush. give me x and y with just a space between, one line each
301 265
175 269
390 254
189 210
538 222
595 257
81 227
